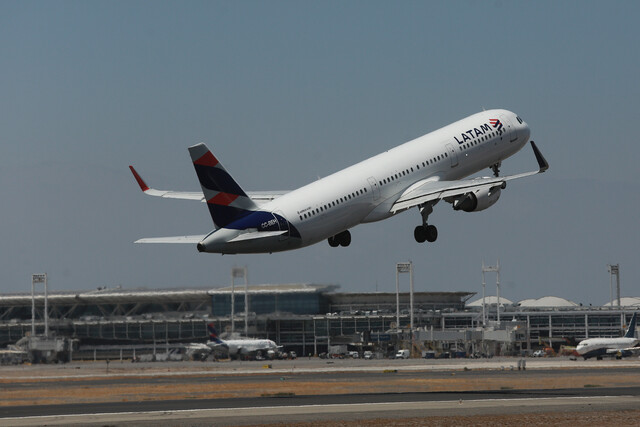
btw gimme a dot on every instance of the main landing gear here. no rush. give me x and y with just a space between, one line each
340 239
425 232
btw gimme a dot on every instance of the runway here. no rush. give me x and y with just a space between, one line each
304 408
250 394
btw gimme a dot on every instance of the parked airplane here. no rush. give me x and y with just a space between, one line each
197 351
618 347
241 347
418 173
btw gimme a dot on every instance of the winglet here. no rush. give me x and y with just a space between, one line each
542 162
143 186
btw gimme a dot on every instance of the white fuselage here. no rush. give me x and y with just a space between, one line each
366 191
594 347
247 346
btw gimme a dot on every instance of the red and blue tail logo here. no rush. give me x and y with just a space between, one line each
497 124
227 202
213 335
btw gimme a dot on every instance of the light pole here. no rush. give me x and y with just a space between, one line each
614 270
240 272
404 267
39 278
491 269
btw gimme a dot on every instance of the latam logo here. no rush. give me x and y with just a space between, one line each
497 124
472 134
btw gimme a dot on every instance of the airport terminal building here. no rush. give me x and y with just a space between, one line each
307 318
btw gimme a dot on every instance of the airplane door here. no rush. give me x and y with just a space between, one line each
453 154
283 224
374 188
512 133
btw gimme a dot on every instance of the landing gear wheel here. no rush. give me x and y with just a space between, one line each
340 239
424 233
432 233
345 238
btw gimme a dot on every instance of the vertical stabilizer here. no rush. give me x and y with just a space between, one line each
213 335
226 201
631 330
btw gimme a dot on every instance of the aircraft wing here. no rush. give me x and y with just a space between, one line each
624 351
256 196
430 190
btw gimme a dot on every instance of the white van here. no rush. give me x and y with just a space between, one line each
402 354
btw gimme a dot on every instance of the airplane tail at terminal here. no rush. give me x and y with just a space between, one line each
226 201
631 330
213 335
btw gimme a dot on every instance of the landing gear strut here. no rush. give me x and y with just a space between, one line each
425 232
496 169
340 239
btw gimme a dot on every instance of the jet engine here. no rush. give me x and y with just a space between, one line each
478 200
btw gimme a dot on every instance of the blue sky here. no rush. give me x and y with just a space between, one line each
286 92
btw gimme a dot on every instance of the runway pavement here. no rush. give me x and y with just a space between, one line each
249 393
305 408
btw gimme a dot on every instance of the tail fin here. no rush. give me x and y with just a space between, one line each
213 335
631 330
226 201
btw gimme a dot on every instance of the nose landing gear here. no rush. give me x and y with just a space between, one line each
496 169
340 239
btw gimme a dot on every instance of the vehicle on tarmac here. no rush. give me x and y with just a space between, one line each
403 354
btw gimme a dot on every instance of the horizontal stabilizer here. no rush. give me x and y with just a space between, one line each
174 239
258 235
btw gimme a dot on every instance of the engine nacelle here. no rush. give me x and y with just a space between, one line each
478 200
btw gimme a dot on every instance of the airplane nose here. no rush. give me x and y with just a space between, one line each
526 132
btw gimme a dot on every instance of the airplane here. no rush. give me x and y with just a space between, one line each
417 174
197 351
618 347
241 347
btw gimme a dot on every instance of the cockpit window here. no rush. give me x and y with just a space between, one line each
519 119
